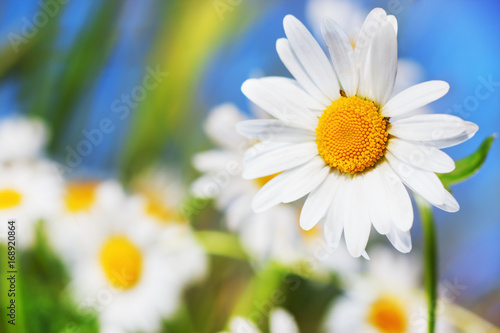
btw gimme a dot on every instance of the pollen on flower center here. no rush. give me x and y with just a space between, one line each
388 315
10 198
351 134
121 261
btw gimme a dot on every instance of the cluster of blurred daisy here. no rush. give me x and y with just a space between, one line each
131 253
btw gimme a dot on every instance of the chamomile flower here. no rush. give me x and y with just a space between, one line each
340 139
21 139
271 234
29 192
387 299
280 321
81 201
162 194
124 267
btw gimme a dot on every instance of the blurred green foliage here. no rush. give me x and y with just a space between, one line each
42 301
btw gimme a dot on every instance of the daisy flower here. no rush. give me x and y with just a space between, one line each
81 201
21 139
272 234
29 192
280 321
386 300
129 270
340 139
162 195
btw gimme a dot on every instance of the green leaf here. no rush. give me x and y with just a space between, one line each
469 165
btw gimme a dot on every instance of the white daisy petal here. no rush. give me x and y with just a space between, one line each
269 195
318 202
414 97
220 126
377 200
342 56
334 222
394 22
401 240
314 173
264 159
237 212
427 127
425 183
381 65
422 156
273 130
273 192
213 160
312 57
278 105
295 68
372 24
356 220
469 132
399 201
294 91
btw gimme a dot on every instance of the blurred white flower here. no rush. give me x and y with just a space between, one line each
162 194
280 321
387 299
29 192
82 201
270 235
125 266
21 139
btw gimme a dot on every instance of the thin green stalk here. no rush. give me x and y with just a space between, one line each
430 259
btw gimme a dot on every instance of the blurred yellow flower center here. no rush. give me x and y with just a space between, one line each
10 198
264 180
121 261
311 234
388 315
351 134
158 210
80 196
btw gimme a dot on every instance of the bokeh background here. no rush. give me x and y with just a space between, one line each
86 61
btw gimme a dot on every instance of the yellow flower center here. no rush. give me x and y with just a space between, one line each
121 261
310 235
159 211
10 198
80 196
388 315
351 134
264 180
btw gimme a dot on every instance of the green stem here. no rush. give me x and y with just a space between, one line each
430 259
